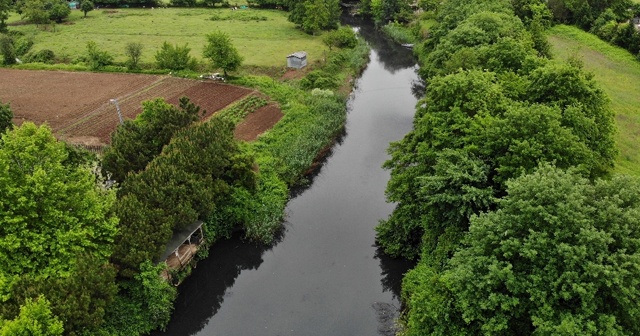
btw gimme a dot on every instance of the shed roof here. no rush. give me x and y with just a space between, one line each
179 238
299 54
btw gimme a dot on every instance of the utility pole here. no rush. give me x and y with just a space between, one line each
115 101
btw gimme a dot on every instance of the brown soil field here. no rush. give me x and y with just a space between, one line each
76 105
255 123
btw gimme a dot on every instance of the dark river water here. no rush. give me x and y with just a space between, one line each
324 276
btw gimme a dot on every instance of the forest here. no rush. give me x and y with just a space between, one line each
505 188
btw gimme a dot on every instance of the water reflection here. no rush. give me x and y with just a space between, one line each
392 57
393 269
201 294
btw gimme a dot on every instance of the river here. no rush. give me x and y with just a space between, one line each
324 275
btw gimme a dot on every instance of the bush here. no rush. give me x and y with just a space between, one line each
97 58
175 57
318 79
7 50
22 45
41 56
343 37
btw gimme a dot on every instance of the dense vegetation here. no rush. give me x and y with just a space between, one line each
503 188
85 265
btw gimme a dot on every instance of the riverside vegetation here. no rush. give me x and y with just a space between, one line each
506 188
85 263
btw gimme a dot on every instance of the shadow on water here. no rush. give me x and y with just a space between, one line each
202 293
393 269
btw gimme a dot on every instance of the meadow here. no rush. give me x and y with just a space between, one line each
618 74
263 37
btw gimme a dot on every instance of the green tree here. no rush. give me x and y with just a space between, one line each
58 10
469 138
133 50
136 142
7 49
5 7
195 173
86 6
320 15
343 37
221 52
6 117
174 57
97 58
35 11
53 212
557 257
80 300
35 319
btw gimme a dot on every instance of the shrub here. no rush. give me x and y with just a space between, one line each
175 57
343 37
41 56
318 79
97 58
7 50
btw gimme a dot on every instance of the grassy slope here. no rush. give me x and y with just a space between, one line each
261 42
618 73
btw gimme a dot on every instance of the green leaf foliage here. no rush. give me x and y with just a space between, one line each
136 142
6 117
80 300
35 319
194 174
51 212
175 58
221 52
559 256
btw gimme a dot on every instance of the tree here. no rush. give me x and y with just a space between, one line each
53 211
221 52
557 257
97 58
174 57
35 319
35 11
6 117
79 299
469 138
5 7
343 37
58 10
7 50
320 15
133 50
86 6
136 142
194 174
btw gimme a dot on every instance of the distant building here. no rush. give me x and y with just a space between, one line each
297 60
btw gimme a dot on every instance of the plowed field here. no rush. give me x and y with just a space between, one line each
77 104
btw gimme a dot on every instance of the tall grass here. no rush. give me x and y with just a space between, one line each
618 74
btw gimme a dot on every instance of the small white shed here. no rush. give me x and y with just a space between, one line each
297 60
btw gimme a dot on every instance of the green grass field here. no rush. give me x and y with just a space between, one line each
263 37
618 74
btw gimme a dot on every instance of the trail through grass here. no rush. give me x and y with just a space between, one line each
618 74
262 37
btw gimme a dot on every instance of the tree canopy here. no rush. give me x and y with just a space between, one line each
52 212
559 256
191 177
221 52
136 142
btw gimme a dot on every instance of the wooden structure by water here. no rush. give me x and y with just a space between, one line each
181 248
